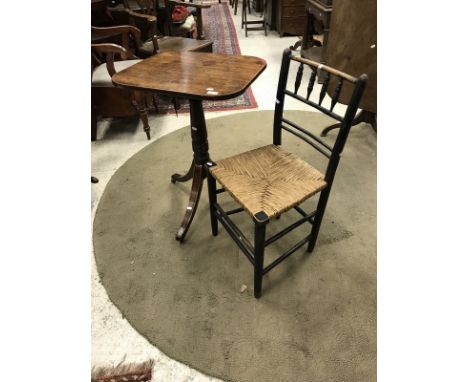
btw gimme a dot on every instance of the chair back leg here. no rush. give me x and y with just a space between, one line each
213 200
244 16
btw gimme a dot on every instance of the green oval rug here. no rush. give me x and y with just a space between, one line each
316 320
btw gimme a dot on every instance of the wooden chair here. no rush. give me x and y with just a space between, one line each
235 3
106 99
110 101
269 180
193 24
187 29
142 15
247 24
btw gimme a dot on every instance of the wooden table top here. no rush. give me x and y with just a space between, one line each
194 75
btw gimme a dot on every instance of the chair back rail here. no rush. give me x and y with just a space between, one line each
326 72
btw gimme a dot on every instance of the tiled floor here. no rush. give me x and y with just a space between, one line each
113 339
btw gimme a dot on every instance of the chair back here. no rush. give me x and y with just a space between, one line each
148 7
329 75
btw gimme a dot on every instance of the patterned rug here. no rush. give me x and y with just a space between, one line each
218 27
141 372
316 320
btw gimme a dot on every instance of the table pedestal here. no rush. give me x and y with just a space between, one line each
362 116
197 168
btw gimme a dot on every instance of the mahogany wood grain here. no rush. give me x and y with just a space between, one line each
193 75
352 46
197 76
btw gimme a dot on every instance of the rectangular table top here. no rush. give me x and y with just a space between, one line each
193 75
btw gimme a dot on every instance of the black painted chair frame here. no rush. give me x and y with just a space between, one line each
255 253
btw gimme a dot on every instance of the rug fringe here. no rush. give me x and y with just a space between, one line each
136 371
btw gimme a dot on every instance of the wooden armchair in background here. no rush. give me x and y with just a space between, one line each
188 28
106 99
139 13
145 15
110 101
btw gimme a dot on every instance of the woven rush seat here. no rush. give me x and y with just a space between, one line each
268 179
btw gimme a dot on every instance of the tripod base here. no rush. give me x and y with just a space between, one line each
363 116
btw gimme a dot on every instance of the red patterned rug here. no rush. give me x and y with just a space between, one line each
218 27
141 372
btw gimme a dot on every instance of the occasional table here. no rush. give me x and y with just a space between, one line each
196 76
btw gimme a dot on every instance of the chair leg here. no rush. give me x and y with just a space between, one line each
213 199
318 218
260 220
176 104
146 126
139 104
244 15
200 34
93 123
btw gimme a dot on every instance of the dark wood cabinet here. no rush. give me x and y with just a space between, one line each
286 16
257 5
318 11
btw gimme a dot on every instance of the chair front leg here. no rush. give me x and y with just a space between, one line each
260 220
138 103
322 204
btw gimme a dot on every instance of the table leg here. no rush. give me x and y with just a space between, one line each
195 193
200 158
185 177
362 116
